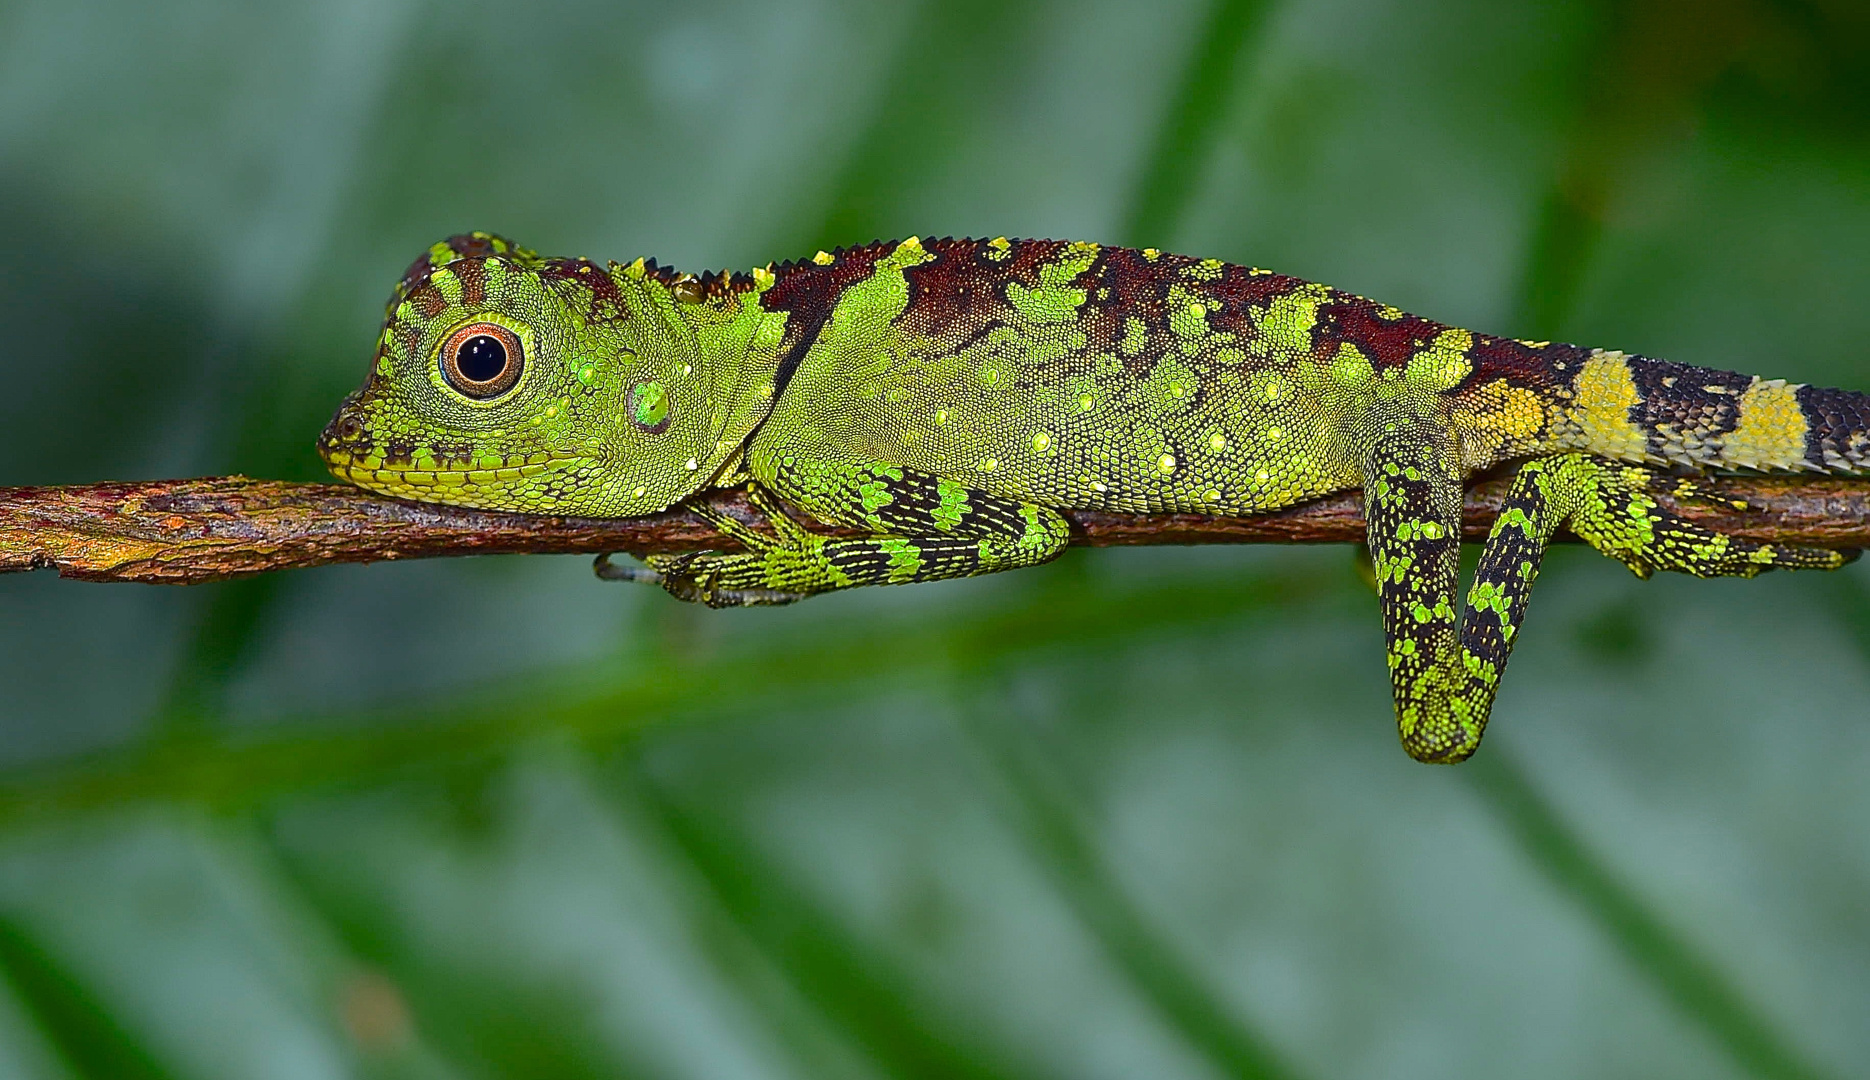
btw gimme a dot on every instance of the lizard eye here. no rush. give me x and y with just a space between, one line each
482 360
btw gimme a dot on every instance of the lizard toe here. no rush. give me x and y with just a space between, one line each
609 571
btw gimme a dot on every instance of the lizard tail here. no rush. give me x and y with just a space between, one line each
1635 409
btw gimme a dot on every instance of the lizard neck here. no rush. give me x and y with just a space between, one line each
694 362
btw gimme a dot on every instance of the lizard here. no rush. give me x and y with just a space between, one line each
949 398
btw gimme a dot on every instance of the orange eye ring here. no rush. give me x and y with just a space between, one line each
482 360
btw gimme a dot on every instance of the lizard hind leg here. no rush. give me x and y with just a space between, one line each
1444 668
1613 507
1412 504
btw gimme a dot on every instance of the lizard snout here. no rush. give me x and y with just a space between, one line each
345 431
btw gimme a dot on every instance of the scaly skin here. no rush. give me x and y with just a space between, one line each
952 396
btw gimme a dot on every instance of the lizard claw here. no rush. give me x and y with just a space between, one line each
609 571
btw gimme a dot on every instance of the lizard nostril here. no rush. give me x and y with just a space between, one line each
350 428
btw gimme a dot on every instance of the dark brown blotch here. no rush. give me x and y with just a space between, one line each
1126 284
1547 368
472 274
806 291
957 294
1387 341
409 336
582 281
428 300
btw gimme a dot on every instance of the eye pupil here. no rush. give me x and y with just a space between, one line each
482 358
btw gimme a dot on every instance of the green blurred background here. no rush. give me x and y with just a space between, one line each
1134 814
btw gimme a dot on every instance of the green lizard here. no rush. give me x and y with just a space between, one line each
951 397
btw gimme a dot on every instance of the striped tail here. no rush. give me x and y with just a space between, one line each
1635 409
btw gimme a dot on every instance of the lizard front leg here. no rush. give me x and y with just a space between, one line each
786 575
927 529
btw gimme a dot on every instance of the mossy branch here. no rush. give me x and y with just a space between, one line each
186 531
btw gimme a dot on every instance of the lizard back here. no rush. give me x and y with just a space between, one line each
1113 378
1085 376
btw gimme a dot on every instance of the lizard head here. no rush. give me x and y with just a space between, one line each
507 381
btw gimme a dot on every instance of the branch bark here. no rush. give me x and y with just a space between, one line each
187 531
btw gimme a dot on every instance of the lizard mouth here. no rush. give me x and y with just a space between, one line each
427 473
371 471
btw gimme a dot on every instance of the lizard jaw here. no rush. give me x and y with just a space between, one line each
460 486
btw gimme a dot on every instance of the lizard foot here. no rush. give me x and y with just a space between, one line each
684 582
720 580
1616 512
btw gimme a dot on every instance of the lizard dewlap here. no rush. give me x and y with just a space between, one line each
951 397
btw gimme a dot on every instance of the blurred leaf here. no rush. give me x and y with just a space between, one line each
1645 938
956 60
1053 828
84 1029
1618 635
853 984
240 773
1184 139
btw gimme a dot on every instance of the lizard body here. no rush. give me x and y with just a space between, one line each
951 397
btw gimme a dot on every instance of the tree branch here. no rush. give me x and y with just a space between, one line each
187 531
